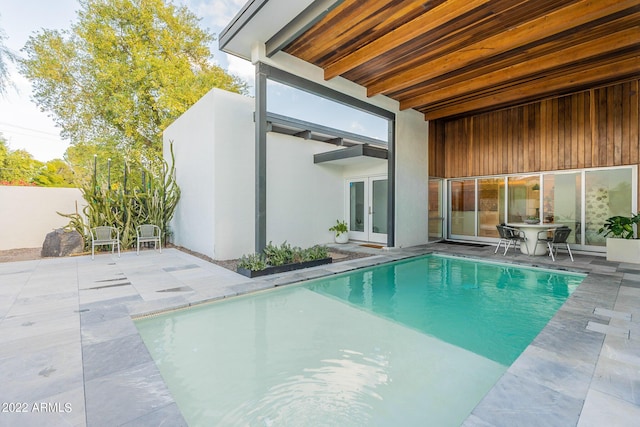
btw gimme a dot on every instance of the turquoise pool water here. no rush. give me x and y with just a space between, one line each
417 342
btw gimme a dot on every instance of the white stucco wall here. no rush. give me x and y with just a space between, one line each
303 199
213 146
214 152
412 179
411 186
27 214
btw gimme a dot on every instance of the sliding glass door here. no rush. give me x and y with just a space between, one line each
608 192
463 208
581 200
490 206
436 209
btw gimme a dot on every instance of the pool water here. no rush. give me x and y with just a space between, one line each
417 342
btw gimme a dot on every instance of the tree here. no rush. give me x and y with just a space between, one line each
123 72
6 56
17 167
55 173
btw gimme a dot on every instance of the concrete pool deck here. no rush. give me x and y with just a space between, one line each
70 354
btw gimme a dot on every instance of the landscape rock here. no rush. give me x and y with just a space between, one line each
62 243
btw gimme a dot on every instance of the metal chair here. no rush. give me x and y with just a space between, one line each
553 237
105 235
147 233
509 235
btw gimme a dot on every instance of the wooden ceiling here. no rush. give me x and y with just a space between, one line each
447 58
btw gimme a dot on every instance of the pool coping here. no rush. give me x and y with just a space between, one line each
561 378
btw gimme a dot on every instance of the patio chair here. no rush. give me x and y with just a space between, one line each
509 235
147 233
553 237
103 236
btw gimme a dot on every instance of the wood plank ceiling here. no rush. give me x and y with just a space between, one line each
448 58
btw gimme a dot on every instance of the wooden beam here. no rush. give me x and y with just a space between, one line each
361 18
532 31
612 42
541 87
436 17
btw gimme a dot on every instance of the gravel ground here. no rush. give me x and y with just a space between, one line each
24 254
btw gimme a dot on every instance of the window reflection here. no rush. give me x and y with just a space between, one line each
562 202
607 193
490 206
524 198
463 207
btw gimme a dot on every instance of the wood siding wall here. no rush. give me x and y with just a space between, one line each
595 128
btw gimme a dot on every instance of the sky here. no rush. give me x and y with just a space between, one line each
21 121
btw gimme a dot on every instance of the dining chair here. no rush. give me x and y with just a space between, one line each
554 237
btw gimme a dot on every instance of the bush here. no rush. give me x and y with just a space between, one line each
253 262
274 255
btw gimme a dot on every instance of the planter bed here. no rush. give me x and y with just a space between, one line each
282 268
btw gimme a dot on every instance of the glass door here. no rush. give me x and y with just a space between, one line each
378 209
462 208
367 209
358 217
435 209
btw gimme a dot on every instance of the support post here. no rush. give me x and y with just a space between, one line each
261 158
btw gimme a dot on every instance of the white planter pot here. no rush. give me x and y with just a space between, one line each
623 250
342 238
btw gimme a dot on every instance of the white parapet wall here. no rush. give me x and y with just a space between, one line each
27 214
214 152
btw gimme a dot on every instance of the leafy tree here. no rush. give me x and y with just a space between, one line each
123 72
17 167
55 173
6 56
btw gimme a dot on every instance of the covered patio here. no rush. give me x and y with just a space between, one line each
513 92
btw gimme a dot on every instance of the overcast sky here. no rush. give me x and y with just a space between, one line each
21 121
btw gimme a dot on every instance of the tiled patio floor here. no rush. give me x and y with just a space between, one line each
70 354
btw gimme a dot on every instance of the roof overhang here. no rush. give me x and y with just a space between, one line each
276 23
451 58
358 154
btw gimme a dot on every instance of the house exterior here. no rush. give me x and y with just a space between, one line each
524 112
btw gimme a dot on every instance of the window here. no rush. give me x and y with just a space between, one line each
463 207
490 206
608 192
298 104
524 197
562 202
581 200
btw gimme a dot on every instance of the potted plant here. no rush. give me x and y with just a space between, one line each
341 231
622 243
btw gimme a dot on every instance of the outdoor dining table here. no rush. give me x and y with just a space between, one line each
531 233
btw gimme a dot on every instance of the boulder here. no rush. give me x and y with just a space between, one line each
62 243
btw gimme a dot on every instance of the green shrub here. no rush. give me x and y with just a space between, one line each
316 252
253 262
274 255
278 255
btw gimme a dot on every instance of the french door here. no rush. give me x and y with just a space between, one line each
367 209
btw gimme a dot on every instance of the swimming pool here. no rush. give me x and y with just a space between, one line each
410 343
